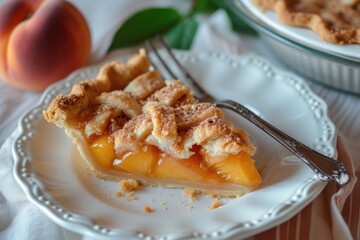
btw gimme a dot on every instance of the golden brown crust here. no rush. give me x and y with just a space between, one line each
145 85
336 21
174 93
175 130
120 100
98 123
111 77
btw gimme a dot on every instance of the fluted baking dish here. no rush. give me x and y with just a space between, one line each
336 66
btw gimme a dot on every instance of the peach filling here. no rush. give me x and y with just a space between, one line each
200 167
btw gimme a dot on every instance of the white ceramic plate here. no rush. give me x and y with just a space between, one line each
55 178
303 36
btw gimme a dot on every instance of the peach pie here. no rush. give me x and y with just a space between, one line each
129 122
336 21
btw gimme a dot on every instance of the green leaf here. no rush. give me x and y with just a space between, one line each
239 24
182 35
206 6
144 24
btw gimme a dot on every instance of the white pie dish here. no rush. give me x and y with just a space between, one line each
47 170
335 66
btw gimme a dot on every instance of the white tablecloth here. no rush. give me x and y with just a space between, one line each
19 219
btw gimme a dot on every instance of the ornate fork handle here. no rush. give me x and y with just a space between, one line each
325 168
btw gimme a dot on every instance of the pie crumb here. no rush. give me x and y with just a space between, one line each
217 203
119 194
129 185
192 194
148 209
213 195
217 196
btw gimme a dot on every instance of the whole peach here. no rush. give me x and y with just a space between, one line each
41 42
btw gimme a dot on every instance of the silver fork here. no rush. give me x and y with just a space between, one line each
326 168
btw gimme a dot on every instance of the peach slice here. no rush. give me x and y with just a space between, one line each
141 162
103 151
238 169
200 168
179 169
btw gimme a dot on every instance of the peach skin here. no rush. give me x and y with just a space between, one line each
41 42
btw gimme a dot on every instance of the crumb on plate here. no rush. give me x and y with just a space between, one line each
192 194
216 204
129 185
148 209
119 194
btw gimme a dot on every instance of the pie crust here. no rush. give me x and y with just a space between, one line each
335 21
129 122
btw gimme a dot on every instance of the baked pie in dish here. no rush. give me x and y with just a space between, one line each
336 21
129 122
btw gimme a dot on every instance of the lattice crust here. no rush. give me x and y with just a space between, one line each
135 106
336 21
111 77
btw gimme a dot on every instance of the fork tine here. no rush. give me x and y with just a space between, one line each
178 64
200 92
151 46
188 78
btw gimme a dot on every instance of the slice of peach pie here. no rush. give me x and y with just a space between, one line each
129 122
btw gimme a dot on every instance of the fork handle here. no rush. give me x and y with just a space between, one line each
326 168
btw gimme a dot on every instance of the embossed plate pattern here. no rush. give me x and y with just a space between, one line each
55 178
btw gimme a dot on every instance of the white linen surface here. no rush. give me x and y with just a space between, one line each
20 219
